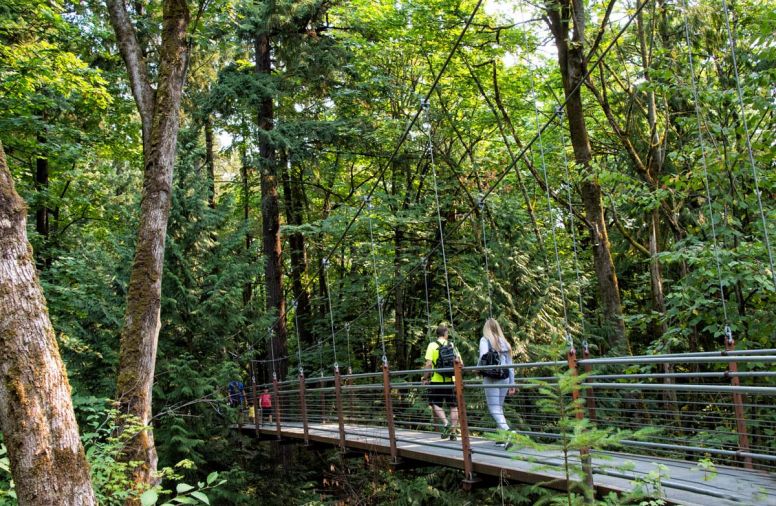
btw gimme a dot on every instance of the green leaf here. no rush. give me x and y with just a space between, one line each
212 477
149 498
182 488
202 497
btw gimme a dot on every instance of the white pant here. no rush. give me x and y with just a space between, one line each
495 399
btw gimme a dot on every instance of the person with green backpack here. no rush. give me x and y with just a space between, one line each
440 358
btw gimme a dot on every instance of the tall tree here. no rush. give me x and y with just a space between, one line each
36 412
159 110
566 19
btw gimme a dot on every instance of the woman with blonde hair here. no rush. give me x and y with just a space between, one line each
493 340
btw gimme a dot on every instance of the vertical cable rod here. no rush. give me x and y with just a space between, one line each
427 109
331 313
377 285
549 202
272 352
732 44
350 359
298 337
559 114
704 163
481 204
425 286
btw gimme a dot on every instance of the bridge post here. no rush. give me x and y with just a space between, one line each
276 404
389 413
255 400
738 401
584 453
338 400
589 396
303 408
468 470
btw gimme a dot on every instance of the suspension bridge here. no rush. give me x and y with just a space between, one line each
688 428
712 425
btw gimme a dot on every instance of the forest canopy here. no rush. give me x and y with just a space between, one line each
236 189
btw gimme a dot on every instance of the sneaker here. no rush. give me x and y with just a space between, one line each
445 432
508 445
500 443
453 435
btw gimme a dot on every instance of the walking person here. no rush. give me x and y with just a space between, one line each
495 350
265 403
441 354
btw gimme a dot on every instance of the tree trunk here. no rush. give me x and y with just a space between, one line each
159 111
270 213
246 197
47 460
571 60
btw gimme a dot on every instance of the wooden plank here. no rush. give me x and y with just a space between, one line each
684 485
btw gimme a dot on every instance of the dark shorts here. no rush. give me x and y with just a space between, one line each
442 396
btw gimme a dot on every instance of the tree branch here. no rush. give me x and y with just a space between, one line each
132 54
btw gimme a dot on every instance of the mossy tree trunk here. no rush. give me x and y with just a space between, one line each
36 412
270 211
159 110
573 66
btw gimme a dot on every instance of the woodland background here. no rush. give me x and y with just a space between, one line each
289 117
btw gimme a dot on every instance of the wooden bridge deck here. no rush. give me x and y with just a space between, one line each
612 471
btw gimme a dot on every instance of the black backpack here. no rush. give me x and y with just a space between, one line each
446 359
492 357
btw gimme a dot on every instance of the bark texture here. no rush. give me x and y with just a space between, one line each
159 111
36 412
571 60
270 211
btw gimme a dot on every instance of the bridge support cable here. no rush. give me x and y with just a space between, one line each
550 210
704 164
499 179
738 401
562 130
331 313
732 43
424 262
426 106
402 139
379 298
350 355
481 205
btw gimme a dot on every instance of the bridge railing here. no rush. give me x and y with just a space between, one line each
717 406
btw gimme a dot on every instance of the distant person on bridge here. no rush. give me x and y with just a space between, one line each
265 405
441 354
496 351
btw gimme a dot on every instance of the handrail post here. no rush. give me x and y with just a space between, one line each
338 400
584 453
349 383
590 395
276 404
255 401
468 470
303 408
738 401
394 451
